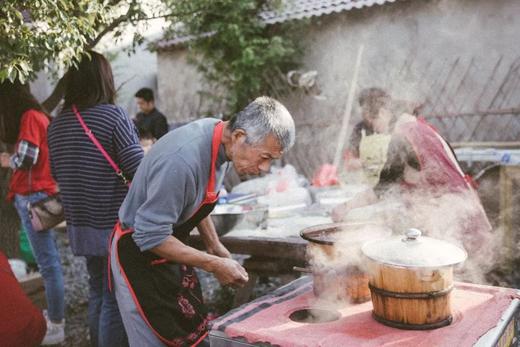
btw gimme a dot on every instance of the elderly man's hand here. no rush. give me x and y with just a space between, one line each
230 272
219 250
340 212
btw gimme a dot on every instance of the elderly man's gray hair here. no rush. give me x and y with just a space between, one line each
266 116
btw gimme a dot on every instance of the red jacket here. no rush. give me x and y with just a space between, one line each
21 323
33 128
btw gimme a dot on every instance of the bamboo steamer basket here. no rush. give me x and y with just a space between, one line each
411 280
334 253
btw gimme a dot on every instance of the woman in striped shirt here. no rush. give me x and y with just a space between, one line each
91 190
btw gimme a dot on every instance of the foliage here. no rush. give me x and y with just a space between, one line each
234 49
37 31
42 33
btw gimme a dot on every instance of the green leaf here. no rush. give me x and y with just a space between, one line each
59 31
242 50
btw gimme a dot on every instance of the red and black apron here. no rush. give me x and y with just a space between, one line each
168 295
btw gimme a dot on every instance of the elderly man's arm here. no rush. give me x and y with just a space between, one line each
210 238
226 270
170 188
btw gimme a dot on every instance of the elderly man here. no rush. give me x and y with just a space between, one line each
173 191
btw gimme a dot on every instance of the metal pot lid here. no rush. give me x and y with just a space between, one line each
414 250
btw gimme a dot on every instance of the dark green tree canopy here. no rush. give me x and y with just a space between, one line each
234 49
237 53
54 33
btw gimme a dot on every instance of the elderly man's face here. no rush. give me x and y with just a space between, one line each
253 159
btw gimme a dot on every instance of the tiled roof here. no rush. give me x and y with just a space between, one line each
179 40
298 9
294 9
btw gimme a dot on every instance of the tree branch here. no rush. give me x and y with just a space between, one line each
57 94
169 15
107 29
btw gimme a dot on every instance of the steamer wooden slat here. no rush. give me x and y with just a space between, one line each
390 281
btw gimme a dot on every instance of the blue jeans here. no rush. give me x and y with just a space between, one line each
46 255
105 323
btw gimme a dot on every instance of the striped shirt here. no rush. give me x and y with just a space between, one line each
91 191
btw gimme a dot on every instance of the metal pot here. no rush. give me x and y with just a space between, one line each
341 284
411 279
226 216
334 255
224 222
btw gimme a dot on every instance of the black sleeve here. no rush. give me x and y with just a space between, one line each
160 127
355 139
138 122
400 152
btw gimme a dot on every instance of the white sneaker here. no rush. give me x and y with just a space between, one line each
55 332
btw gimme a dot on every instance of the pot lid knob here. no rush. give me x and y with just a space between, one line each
412 234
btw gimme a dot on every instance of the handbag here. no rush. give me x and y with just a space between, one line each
45 213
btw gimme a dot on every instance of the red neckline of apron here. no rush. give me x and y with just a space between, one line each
211 194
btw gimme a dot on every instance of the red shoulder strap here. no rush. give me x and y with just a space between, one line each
92 138
211 195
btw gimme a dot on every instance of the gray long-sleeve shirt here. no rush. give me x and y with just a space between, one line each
171 183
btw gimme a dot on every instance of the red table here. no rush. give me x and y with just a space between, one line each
477 310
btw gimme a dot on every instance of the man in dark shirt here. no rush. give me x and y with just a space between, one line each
150 123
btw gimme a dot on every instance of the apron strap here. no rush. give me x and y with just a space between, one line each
211 194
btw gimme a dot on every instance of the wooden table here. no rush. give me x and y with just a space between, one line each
269 256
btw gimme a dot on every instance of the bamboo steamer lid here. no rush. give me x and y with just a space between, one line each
414 250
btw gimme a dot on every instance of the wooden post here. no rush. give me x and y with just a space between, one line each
9 221
348 111
508 175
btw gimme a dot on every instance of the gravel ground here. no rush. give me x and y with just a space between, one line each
76 295
219 299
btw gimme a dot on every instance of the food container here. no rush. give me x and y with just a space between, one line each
226 216
335 258
411 279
